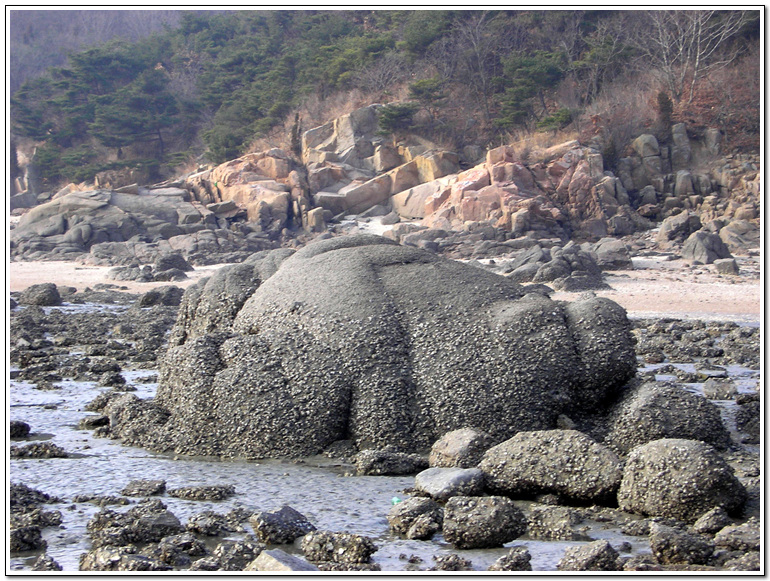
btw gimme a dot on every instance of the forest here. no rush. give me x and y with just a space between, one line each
209 86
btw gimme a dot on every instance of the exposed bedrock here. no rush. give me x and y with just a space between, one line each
359 338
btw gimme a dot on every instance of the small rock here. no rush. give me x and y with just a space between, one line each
46 563
462 448
236 555
144 488
444 483
383 463
38 450
596 556
727 266
280 526
26 539
517 559
278 560
337 547
210 524
18 429
44 295
719 389
675 546
744 537
411 517
712 522
553 523
451 562
217 492
482 522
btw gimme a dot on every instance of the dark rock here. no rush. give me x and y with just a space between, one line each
678 227
748 562
112 379
451 562
612 254
579 282
170 275
680 479
425 513
27 538
674 546
642 563
384 463
46 563
177 550
482 522
119 559
165 295
563 462
462 448
280 526
35 517
657 410
330 566
93 422
147 522
172 261
18 429
748 420
24 498
517 559
45 295
236 555
704 248
337 547
743 537
38 450
596 556
215 492
144 488
525 272
131 273
712 522
211 524
554 523
101 499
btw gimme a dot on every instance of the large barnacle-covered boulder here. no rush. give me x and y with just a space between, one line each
358 338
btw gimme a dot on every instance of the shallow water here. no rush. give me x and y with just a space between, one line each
319 488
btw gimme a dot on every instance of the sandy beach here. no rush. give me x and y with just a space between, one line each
653 288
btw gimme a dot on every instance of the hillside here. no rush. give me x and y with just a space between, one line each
217 85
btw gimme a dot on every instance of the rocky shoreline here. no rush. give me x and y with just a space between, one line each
460 499
375 356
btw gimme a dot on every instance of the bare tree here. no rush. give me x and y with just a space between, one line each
686 45
478 45
383 74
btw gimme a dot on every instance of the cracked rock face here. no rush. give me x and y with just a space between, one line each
359 338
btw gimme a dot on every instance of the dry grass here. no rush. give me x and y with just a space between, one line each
531 147
316 111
